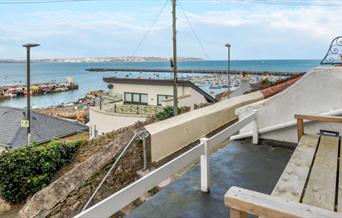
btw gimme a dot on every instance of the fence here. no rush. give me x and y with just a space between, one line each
120 199
129 108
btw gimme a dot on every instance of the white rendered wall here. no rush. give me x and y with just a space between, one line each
154 90
319 91
169 136
151 90
189 100
105 122
244 87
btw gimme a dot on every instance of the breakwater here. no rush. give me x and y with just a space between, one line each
192 71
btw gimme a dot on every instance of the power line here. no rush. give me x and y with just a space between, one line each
149 29
327 3
193 31
45 2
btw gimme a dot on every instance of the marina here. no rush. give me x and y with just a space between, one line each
16 91
192 71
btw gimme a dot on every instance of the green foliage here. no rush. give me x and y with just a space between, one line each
265 83
27 170
154 191
166 113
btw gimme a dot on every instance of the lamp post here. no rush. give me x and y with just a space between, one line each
228 77
174 64
28 89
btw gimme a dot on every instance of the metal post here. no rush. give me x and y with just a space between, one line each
144 154
228 46
229 72
28 95
174 30
143 136
205 167
28 89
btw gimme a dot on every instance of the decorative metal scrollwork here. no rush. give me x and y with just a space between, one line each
334 54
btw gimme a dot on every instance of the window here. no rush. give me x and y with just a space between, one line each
136 98
144 98
161 98
128 97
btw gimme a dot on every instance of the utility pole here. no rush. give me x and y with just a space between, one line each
27 123
174 30
228 46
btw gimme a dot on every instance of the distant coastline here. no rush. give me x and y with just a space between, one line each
99 60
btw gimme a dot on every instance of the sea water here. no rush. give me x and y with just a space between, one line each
15 73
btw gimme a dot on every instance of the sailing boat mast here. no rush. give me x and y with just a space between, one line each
174 31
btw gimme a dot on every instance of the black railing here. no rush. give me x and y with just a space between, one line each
334 54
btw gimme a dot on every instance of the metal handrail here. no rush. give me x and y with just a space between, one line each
120 199
141 135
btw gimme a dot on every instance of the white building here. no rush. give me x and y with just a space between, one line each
133 100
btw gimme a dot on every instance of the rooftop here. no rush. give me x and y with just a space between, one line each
240 164
43 127
162 82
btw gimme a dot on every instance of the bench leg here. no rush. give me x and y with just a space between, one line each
237 213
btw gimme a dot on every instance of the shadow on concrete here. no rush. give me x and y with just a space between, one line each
255 167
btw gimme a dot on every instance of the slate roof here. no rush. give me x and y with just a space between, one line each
43 127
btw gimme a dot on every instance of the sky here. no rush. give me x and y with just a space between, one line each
256 29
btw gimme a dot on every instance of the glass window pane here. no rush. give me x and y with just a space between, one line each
161 98
128 97
136 98
144 98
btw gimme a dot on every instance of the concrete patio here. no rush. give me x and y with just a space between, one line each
255 167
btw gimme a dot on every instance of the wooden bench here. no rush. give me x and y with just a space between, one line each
310 185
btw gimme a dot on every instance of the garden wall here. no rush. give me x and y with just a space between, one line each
66 196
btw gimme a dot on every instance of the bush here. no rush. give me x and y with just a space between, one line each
167 112
25 171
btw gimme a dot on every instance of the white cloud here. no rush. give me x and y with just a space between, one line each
320 22
101 31
67 23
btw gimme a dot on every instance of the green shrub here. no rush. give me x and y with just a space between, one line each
166 113
25 171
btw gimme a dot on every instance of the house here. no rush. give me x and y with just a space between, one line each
132 100
44 128
156 92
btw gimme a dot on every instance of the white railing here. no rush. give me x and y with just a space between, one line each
125 196
334 112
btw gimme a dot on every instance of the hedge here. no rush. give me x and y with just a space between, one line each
25 171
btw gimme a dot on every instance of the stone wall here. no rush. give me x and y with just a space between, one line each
67 195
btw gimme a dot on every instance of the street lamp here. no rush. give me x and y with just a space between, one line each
228 77
28 90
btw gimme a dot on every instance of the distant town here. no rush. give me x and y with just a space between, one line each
100 59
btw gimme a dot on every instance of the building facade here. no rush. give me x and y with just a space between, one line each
132 100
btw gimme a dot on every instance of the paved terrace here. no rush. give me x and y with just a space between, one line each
255 167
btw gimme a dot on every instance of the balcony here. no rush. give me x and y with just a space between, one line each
129 109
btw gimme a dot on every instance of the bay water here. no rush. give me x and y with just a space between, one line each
15 73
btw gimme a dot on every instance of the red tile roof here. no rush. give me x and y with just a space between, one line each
268 92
